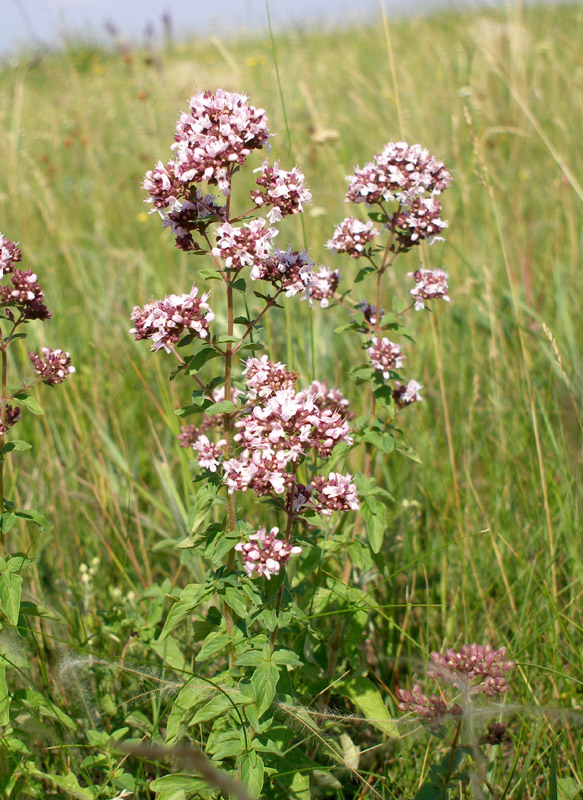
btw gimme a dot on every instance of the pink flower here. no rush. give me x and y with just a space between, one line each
400 172
164 321
324 284
191 215
429 285
328 399
335 493
247 246
385 356
475 667
406 394
285 191
431 709
290 270
218 133
264 554
418 221
55 367
26 295
209 454
352 236
264 377
9 255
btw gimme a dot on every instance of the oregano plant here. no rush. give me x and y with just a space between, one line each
285 471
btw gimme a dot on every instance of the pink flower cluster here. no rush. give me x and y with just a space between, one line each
25 295
247 246
9 255
324 284
264 554
165 321
400 172
326 398
284 190
429 285
385 356
281 428
53 367
288 270
352 236
209 454
218 133
474 669
420 220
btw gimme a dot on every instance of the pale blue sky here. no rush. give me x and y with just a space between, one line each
43 22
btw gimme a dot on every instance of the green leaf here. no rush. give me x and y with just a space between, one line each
203 500
226 338
4 698
16 444
264 684
29 402
252 772
216 642
223 407
42 706
209 274
36 517
367 698
213 709
190 597
10 589
287 657
239 285
235 600
68 783
374 514
198 361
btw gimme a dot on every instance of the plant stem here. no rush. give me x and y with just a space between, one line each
3 402
288 535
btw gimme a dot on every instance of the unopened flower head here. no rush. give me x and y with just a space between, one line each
9 255
337 492
26 295
247 246
218 133
404 394
419 221
430 284
430 708
284 190
188 435
289 269
474 668
265 377
385 356
11 417
399 172
53 367
209 453
264 554
165 321
352 236
323 286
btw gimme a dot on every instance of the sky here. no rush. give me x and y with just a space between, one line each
43 22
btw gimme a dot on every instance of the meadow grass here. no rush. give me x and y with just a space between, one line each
484 540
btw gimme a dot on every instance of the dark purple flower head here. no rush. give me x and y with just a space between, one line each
406 394
53 367
419 221
11 417
289 269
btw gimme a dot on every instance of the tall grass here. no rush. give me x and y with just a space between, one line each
485 538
